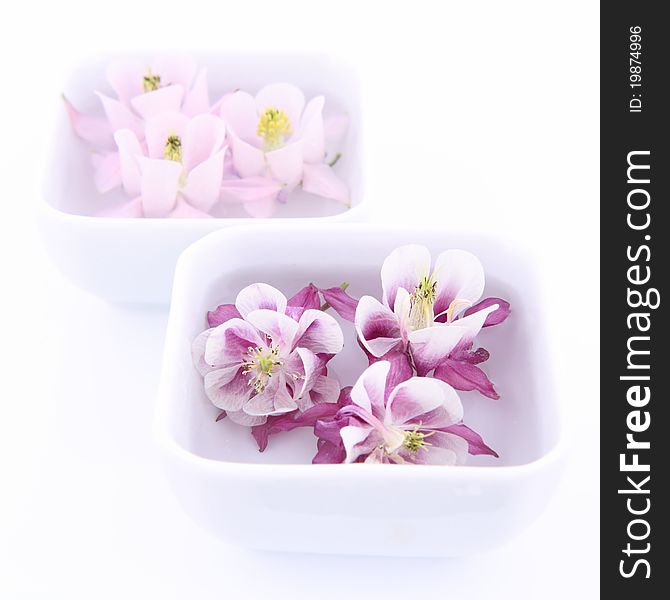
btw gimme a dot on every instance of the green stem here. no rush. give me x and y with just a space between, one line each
333 162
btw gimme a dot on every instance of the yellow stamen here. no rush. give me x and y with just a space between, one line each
150 82
173 149
421 303
259 365
416 440
274 128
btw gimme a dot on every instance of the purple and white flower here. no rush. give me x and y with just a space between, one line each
417 421
268 357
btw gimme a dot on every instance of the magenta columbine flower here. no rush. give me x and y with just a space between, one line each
175 169
277 143
262 361
426 312
416 421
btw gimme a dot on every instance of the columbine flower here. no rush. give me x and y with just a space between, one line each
424 310
265 362
414 421
143 91
177 170
277 143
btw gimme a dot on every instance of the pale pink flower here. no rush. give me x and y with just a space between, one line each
175 169
265 362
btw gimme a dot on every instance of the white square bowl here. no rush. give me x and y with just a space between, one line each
133 260
276 500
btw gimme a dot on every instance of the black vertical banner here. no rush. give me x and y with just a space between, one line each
635 259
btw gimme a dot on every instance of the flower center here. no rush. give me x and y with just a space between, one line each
172 149
259 364
274 128
415 440
150 82
421 303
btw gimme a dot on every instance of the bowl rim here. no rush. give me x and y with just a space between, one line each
554 456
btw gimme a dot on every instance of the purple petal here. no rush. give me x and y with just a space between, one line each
467 377
343 304
223 313
401 368
377 326
307 297
328 453
494 318
475 442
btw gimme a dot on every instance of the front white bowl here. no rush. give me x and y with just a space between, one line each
133 260
273 500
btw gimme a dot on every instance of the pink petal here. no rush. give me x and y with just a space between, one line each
377 327
152 104
221 314
257 296
159 185
335 127
369 390
228 343
321 180
160 127
459 275
119 115
239 112
94 130
262 208
198 352
307 297
467 377
358 441
227 388
282 96
494 318
274 400
197 98
312 132
242 418
473 323
126 78
319 332
404 268
203 183
281 328
476 445
325 390
432 345
129 152
343 304
204 136
107 171
286 164
250 189
248 160
422 400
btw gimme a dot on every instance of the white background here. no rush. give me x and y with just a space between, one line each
478 116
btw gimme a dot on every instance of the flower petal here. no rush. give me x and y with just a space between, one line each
204 136
129 152
248 160
239 112
119 115
183 210
260 295
369 390
444 449
228 343
472 323
198 352
282 96
175 69
94 130
281 328
476 445
432 345
467 377
227 388
343 304
358 441
460 276
494 318
222 313
319 332
413 400
203 184
312 131
151 104
159 185
242 418
307 297
404 268
126 78
286 163
196 101
107 171
250 189
377 327
321 180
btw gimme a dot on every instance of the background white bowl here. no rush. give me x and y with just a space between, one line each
273 500
132 260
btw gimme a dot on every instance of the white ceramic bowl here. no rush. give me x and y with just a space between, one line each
273 500
133 260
